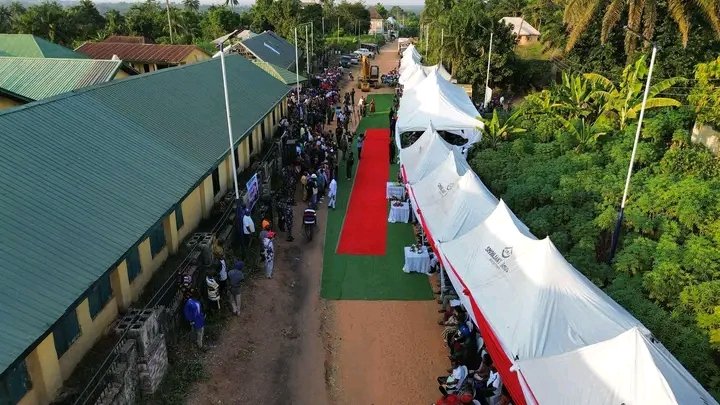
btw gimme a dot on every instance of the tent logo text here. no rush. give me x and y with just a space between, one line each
444 189
498 259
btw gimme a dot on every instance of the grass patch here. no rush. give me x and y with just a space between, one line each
370 277
535 51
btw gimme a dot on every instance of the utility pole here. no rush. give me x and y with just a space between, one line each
307 50
167 5
427 36
442 42
621 211
297 69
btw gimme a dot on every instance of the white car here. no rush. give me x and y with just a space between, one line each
365 52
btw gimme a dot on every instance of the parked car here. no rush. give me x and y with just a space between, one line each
354 58
365 52
345 62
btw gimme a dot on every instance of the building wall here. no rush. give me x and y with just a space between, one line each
45 369
527 39
376 26
7 103
120 74
196 56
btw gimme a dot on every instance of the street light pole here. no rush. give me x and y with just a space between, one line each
621 211
307 50
297 69
229 124
442 42
487 75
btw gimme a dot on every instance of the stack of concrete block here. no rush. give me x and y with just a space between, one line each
143 327
122 386
205 244
152 366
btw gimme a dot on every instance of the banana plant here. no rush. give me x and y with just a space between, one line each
624 101
496 130
582 131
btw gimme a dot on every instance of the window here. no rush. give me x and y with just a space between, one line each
15 384
133 263
66 332
250 139
274 121
237 159
179 220
157 239
262 130
146 67
99 295
216 181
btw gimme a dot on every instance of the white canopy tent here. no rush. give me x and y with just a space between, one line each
628 369
417 77
411 50
536 302
409 71
440 70
424 155
406 62
438 101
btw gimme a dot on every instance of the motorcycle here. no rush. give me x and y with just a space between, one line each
309 222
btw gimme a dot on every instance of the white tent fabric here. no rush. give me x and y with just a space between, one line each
409 71
411 50
406 62
536 302
440 70
424 155
417 77
438 101
628 369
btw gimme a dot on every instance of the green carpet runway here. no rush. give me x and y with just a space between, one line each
361 277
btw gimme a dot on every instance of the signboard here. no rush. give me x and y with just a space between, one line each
253 192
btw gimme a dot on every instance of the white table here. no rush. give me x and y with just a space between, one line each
416 262
394 190
400 213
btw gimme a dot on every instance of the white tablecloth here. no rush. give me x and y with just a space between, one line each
399 214
416 262
394 190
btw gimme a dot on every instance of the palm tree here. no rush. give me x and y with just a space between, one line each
623 102
641 16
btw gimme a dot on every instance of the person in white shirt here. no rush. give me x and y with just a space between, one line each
248 229
332 193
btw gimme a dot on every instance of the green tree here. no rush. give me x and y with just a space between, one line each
705 94
218 21
48 20
86 19
147 19
114 23
381 10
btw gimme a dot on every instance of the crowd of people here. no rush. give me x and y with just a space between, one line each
316 135
472 377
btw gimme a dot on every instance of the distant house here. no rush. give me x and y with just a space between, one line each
144 57
269 47
233 38
377 23
30 46
23 80
128 39
525 32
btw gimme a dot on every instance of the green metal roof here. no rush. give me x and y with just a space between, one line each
38 78
279 73
30 46
271 48
88 173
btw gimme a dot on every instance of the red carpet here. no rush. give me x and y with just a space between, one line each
364 231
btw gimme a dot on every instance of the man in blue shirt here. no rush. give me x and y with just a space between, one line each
194 314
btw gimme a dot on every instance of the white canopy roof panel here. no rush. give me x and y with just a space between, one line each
537 303
440 70
417 77
628 369
424 155
438 101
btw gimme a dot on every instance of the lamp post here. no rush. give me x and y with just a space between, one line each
487 74
297 69
229 124
621 211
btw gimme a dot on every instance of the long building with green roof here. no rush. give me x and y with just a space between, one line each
100 185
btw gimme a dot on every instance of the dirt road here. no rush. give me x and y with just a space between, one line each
291 347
